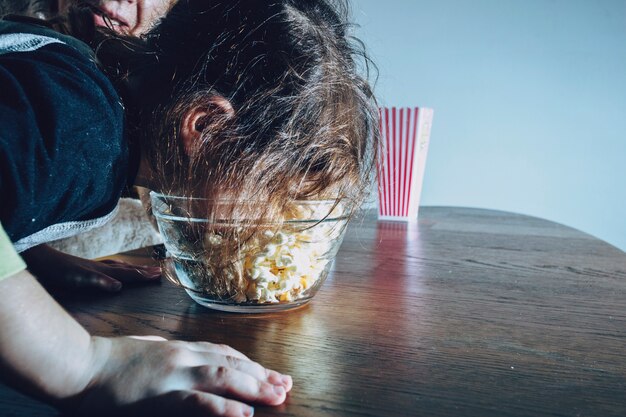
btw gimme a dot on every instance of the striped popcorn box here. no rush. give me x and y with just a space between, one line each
405 134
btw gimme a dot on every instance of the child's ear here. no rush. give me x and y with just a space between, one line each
199 117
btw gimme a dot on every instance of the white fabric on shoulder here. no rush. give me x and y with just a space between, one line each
61 231
24 42
130 229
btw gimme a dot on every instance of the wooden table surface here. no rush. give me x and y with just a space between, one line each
469 313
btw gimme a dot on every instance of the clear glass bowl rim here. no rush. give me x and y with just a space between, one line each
300 221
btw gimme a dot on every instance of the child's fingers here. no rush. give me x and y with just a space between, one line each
216 348
241 362
219 356
128 273
251 368
94 280
232 383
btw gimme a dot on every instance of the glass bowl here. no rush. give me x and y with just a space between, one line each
274 267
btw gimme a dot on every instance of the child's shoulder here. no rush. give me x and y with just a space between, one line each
62 135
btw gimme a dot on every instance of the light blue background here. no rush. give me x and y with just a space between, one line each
529 99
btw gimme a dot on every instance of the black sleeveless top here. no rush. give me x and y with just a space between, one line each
64 160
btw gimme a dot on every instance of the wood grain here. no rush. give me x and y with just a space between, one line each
470 313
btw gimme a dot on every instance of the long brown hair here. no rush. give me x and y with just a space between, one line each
304 123
305 119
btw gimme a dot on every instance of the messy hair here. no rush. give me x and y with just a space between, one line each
304 121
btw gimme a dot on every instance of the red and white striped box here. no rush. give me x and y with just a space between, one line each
405 134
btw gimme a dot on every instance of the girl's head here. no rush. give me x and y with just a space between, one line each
251 100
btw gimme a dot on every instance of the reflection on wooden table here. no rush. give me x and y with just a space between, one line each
470 312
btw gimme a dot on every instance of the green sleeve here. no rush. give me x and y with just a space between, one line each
10 262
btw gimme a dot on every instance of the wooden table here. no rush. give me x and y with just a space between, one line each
470 313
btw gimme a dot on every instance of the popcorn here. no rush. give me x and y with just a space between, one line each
283 264
212 239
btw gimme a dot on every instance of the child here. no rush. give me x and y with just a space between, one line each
242 98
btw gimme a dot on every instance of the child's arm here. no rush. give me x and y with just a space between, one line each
57 269
44 352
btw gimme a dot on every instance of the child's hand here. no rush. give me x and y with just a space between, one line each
150 376
57 269
48 354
